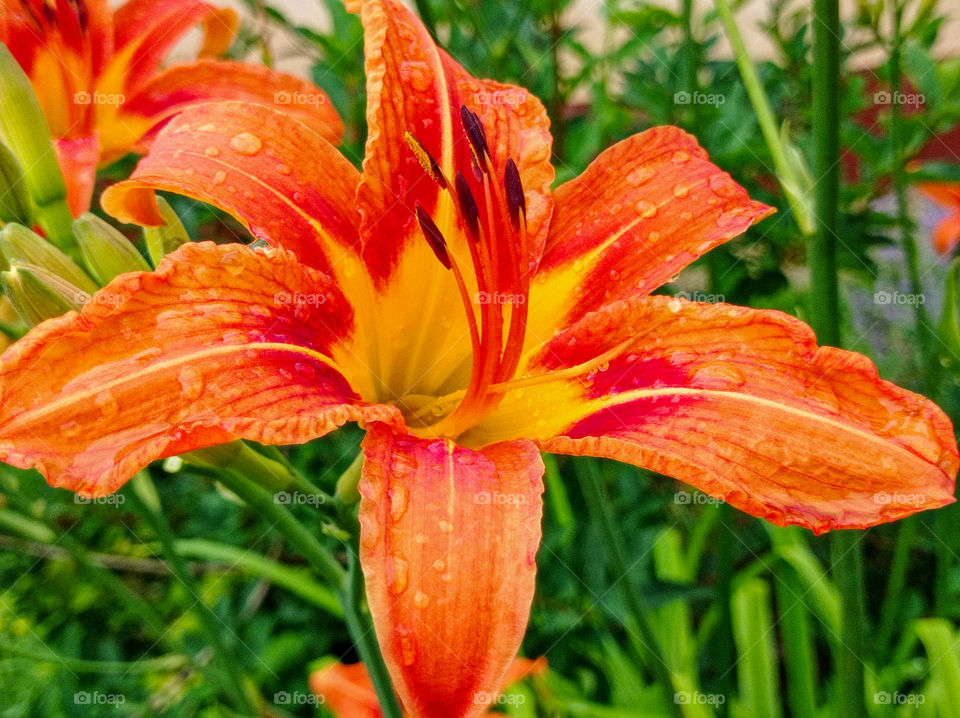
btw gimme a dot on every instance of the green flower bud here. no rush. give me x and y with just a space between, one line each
106 252
14 200
20 245
38 295
160 241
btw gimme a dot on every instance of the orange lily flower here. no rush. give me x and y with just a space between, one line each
469 317
347 690
947 232
98 79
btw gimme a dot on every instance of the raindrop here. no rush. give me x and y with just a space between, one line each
679 157
246 143
191 383
640 175
417 74
107 403
646 208
70 430
219 177
212 151
397 573
680 191
421 600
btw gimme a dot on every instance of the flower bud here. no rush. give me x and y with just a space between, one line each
20 245
14 201
105 251
24 129
160 241
38 295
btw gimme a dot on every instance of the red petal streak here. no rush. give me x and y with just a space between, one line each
414 86
221 342
742 404
218 80
449 539
287 184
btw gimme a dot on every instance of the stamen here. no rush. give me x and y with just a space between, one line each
516 201
433 236
478 138
425 159
468 207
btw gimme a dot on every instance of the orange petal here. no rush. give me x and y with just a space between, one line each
740 403
348 692
946 234
414 86
219 343
946 194
78 161
642 211
287 184
145 31
448 538
215 80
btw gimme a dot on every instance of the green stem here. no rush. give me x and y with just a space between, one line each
229 672
927 339
81 665
365 638
264 503
599 509
894 599
845 545
825 294
786 172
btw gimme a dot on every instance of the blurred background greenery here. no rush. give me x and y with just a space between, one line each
653 600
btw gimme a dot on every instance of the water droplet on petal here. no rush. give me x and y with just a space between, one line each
246 143
191 383
408 650
723 185
421 600
283 168
212 151
640 175
398 502
416 74
439 565
70 430
397 571
679 157
446 527
107 403
219 177
646 208
680 191
209 127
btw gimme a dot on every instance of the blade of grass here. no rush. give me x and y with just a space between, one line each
754 638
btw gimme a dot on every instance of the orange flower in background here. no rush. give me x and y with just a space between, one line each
469 317
947 232
97 76
347 691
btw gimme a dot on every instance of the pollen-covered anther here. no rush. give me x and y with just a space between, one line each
468 207
516 201
434 237
426 160
477 137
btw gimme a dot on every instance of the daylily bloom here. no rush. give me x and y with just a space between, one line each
347 691
97 76
469 317
947 232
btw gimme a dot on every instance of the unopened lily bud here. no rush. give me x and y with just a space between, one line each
160 241
20 245
105 251
14 200
38 295
24 129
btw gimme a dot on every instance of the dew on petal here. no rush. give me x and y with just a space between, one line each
246 143
640 175
220 177
212 151
646 208
191 383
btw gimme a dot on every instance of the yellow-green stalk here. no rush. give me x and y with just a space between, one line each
20 245
38 295
14 201
160 241
106 252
